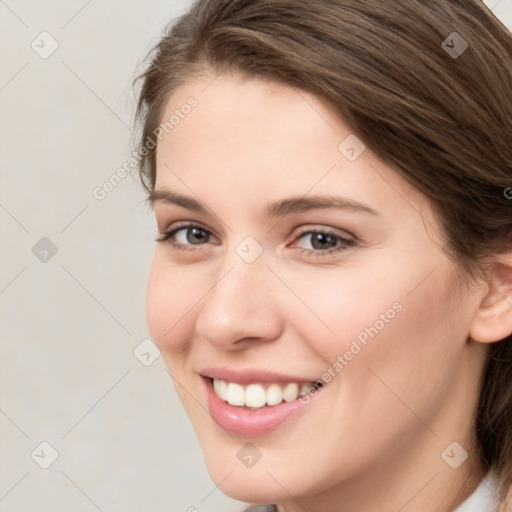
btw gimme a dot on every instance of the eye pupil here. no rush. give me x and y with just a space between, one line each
195 231
323 239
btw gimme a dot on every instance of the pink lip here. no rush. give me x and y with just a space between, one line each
248 423
250 376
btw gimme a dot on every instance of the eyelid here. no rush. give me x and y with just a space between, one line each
179 225
341 233
174 227
346 242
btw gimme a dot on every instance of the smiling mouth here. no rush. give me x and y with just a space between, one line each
259 395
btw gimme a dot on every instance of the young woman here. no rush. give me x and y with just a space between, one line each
331 289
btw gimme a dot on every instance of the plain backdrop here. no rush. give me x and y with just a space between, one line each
89 419
72 305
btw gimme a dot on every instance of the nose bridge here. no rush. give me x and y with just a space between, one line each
240 302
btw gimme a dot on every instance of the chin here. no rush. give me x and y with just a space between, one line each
270 480
249 486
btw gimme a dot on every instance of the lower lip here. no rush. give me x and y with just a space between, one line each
248 423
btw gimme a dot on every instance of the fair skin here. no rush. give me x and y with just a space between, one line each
372 439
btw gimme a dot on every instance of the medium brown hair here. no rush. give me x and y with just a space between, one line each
443 121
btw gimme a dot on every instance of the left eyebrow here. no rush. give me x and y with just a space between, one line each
276 209
304 204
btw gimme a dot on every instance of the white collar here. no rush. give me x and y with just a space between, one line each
484 498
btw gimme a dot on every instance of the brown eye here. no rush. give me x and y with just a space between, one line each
188 235
324 242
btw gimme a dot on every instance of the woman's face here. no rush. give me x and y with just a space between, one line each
271 290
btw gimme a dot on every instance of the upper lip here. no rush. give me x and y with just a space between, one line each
250 375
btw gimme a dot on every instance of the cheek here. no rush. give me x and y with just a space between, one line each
343 308
169 304
384 320
413 359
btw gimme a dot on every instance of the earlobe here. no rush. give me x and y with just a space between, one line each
492 320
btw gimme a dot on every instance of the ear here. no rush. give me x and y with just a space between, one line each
492 321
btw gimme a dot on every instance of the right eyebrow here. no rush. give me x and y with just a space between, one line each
166 196
275 209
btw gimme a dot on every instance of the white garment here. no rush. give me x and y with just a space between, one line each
484 498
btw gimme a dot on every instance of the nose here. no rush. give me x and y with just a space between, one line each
241 306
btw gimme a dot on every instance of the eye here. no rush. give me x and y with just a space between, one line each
323 241
193 234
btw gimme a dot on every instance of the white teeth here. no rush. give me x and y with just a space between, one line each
235 394
291 392
274 394
255 396
221 388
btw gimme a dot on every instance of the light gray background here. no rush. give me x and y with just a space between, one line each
68 375
69 325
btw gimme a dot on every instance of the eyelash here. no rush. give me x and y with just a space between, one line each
346 242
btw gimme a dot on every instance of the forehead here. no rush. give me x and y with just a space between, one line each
265 139
249 115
